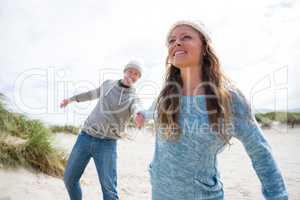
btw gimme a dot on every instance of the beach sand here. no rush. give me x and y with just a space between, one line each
237 174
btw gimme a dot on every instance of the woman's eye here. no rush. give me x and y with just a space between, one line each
186 37
171 41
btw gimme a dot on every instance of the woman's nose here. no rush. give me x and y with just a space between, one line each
178 42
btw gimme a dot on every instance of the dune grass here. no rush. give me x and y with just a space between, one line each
289 118
26 142
263 120
65 129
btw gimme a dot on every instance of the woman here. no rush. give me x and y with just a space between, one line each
197 113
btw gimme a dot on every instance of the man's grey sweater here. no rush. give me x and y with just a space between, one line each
113 109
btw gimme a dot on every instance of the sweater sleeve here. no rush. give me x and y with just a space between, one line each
86 96
149 114
247 130
89 95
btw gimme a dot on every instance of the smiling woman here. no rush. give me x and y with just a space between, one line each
196 90
187 55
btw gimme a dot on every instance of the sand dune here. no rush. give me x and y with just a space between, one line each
240 181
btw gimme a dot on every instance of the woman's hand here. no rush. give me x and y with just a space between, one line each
64 103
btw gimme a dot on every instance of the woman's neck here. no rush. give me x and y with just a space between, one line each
192 82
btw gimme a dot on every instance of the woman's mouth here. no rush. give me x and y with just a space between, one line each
179 53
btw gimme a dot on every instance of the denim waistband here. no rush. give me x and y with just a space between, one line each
96 138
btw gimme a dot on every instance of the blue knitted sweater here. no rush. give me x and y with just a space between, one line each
187 169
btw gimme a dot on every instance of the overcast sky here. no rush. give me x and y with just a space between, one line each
54 49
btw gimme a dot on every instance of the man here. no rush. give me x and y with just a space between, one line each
101 130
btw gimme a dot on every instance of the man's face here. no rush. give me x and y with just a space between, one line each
131 75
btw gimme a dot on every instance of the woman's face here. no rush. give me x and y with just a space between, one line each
184 47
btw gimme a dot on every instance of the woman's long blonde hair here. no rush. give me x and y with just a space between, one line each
215 84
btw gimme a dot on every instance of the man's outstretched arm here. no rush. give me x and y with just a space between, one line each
85 96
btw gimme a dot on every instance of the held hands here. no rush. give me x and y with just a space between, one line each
139 120
64 103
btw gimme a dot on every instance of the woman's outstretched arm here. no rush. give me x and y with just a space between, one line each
247 130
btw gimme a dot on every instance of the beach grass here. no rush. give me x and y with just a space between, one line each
290 118
64 129
26 142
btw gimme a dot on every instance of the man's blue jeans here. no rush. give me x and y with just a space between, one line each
104 153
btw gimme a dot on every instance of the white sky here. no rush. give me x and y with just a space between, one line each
54 49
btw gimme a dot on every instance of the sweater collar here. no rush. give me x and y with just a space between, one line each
125 89
121 84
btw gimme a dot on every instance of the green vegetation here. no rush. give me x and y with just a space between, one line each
263 120
65 129
289 118
26 142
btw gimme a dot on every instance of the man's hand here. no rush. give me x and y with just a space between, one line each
64 103
139 120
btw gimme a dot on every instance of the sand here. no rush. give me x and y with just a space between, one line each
239 179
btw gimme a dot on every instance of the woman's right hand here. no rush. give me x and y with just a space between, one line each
64 103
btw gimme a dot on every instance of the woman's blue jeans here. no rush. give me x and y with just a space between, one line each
104 153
